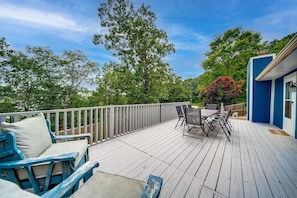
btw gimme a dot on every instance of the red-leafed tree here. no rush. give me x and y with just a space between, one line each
223 89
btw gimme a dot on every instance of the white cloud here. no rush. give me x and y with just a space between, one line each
40 17
278 24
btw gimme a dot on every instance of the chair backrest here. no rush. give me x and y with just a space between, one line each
228 115
32 135
184 109
179 111
211 106
193 116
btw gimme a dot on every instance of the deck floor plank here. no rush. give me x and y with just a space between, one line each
236 183
254 164
250 188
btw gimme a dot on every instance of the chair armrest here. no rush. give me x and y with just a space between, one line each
153 187
72 137
35 161
85 171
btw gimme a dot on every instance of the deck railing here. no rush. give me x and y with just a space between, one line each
103 122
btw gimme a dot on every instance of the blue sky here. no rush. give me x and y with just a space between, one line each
190 24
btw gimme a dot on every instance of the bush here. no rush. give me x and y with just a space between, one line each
223 89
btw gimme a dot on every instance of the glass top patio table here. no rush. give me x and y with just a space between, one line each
208 112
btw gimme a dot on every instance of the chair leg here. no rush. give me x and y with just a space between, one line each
177 123
224 130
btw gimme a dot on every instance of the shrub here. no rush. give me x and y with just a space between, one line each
223 89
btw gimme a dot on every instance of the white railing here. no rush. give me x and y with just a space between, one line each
103 122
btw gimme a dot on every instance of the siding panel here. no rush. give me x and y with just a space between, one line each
278 103
261 92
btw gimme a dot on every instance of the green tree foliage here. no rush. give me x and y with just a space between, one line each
48 73
139 45
76 70
113 86
39 79
177 91
223 89
6 103
229 54
275 46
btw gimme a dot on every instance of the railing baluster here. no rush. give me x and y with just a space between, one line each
96 126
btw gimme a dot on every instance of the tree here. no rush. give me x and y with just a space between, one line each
275 46
230 52
177 91
48 73
112 86
39 79
140 46
6 102
76 71
223 89
21 78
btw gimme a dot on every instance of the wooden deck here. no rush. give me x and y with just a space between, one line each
255 163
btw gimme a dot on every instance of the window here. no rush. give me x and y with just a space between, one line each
288 102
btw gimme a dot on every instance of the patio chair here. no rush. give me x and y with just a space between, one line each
184 108
180 115
34 158
222 119
193 121
225 124
98 184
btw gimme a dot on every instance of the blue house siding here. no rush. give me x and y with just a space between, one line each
278 103
248 90
261 92
262 99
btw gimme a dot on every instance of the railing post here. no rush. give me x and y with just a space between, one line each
160 112
111 122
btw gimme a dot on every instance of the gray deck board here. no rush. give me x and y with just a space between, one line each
255 163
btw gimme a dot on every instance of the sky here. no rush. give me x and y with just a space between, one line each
191 25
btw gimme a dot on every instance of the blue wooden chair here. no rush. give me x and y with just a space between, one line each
65 188
98 185
34 158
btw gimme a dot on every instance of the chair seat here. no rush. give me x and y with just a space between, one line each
111 186
79 146
12 190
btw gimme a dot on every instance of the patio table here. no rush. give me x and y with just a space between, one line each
205 113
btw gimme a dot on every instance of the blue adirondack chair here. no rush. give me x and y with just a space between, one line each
67 187
33 157
98 185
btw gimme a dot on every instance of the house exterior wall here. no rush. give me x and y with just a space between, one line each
278 102
259 93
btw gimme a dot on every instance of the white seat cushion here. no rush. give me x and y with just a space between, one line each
102 185
79 146
12 190
32 135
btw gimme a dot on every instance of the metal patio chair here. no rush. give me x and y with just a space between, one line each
193 121
181 116
222 119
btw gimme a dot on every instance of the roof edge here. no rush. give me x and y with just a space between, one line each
285 52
